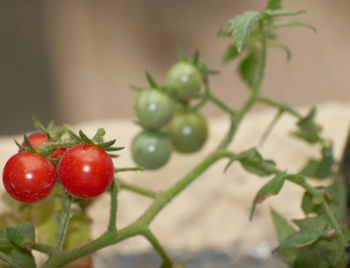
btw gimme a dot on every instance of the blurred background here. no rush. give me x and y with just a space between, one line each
75 60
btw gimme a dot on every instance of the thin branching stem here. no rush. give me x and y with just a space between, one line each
136 189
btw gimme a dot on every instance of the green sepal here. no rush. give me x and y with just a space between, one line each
152 83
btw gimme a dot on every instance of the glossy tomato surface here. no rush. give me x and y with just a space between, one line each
185 79
153 108
28 177
189 131
86 171
151 149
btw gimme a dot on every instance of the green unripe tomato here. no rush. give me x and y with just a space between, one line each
185 79
151 149
153 108
189 130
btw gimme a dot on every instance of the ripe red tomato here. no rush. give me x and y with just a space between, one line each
28 177
86 171
36 140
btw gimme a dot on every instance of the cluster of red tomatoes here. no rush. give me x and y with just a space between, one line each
167 119
84 170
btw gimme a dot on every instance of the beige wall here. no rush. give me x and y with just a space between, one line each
99 48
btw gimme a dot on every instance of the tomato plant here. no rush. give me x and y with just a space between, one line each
151 150
188 130
28 177
153 108
86 171
171 119
185 79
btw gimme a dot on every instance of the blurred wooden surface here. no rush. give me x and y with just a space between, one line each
78 58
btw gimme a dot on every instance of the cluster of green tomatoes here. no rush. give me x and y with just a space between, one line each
167 118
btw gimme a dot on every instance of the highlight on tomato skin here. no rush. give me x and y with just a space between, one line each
86 171
189 131
28 177
153 108
151 149
185 79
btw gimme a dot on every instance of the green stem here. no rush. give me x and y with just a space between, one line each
112 225
167 262
280 106
270 127
329 214
165 197
117 170
43 248
136 189
63 231
8 260
239 115
60 258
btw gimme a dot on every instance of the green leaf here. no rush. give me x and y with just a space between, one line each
257 165
181 54
322 168
301 239
241 26
274 4
5 245
284 230
311 223
248 69
230 54
23 257
279 24
282 12
308 205
308 130
22 235
325 253
271 188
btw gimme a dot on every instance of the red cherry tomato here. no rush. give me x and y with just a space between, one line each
59 152
28 177
36 140
86 171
